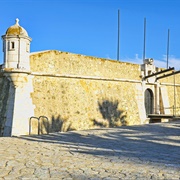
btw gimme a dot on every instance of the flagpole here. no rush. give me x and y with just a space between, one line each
168 49
144 47
118 43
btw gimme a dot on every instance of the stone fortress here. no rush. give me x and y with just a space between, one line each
53 91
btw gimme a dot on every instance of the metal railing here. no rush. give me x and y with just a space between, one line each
38 119
175 110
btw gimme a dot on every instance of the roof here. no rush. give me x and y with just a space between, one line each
16 29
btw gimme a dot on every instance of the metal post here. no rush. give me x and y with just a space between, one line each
174 111
168 48
38 126
118 43
30 124
144 47
47 124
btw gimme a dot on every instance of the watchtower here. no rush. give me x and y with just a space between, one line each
15 78
16 47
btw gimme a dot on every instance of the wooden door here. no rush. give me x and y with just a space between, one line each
149 101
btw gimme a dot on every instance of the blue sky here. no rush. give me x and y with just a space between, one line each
89 27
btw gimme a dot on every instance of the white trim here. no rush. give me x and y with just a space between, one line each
169 84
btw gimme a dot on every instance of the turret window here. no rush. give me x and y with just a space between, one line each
11 45
27 47
4 47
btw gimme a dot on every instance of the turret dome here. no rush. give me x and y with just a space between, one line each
16 29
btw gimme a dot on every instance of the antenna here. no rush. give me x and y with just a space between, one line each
144 48
168 48
118 43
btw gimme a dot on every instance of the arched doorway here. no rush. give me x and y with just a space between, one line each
149 101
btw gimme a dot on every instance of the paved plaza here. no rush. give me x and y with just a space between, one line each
131 152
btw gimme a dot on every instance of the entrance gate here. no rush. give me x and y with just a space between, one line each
149 101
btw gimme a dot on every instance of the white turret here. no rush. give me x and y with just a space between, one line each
16 48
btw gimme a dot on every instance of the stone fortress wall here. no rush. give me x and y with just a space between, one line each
77 92
4 96
81 92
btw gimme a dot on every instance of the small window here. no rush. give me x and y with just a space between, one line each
4 46
11 46
27 47
149 72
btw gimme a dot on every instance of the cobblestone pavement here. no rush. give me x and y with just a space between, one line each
135 152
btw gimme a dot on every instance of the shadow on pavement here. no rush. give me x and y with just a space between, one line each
157 143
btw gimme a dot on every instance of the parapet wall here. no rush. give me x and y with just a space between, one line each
56 62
